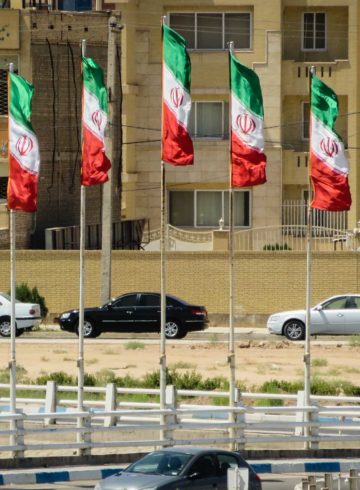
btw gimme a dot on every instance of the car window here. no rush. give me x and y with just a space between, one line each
352 302
226 461
335 304
150 300
161 462
129 300
172 302
204 466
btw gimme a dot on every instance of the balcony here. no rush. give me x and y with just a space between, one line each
295 76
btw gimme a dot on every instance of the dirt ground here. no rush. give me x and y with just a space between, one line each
256 361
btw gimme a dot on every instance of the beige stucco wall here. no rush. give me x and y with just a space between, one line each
265 282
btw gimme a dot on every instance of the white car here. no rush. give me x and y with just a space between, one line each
338 315
27 316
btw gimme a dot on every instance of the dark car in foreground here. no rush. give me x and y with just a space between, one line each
180 468
138 312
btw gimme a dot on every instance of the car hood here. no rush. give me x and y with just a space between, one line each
135 481
290 313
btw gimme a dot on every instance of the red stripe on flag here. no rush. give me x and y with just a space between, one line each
22 188
95 164
331 188
247 164
177 147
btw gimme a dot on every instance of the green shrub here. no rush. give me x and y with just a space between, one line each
60 377
27 295
276 246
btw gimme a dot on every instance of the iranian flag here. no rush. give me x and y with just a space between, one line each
24 157
177 147
329 166
95 163
248 160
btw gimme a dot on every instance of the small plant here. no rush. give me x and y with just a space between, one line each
26 295
133 345
354 341
182 365
319 362
92 361
276 246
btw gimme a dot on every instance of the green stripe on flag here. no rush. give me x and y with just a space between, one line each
93 78
21 93
176 57
245 85
324 103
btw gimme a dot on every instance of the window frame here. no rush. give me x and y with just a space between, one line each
303 104
223 137
223 191
314 48
222 13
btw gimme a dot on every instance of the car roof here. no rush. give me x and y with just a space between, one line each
193 449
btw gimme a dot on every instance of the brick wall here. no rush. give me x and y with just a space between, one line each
265 281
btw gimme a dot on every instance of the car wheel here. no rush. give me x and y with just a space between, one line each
294 330
172 330
5 328
90 330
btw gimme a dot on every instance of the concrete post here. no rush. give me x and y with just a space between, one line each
170 403
50 401
314 430
353 478
17 438
110 404
239 418
328 481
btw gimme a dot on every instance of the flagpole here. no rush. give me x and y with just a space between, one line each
163 283
12 363
80 362
231 348
307 354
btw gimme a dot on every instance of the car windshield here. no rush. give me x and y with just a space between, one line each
160 463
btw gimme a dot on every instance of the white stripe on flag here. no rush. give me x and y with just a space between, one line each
246 125
94 118
24 146
328 147
176 97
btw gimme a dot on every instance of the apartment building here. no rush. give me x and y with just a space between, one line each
280 40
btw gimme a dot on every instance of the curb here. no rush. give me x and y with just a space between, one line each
40 476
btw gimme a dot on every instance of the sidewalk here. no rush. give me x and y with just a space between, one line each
41 475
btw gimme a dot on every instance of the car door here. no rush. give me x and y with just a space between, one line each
147 314
203 474
330 317
353 315
119 315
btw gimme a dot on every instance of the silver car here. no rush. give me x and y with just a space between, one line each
338 315
180 468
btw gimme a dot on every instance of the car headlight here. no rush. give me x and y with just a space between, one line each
65 316
274 318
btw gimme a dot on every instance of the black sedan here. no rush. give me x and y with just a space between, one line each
180 468
138 312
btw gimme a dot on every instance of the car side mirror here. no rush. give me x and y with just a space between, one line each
318 308
109 306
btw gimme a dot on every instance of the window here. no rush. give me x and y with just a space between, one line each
129 300
205 208
213 30
3 93
335 304
3 187
149 300
305 120
314 31
209 120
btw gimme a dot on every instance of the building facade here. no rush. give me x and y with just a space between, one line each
280 40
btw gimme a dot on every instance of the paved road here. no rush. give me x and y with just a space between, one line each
270 482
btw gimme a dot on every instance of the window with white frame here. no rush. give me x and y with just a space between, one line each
213 30
204 208
209 120
305 120
314 31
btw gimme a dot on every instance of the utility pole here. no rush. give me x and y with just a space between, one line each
106 226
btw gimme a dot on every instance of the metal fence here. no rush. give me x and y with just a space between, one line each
52 422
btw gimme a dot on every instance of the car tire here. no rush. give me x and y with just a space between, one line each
173 330
294 330
5 328
90 331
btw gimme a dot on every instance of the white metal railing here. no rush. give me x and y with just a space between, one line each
53 422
